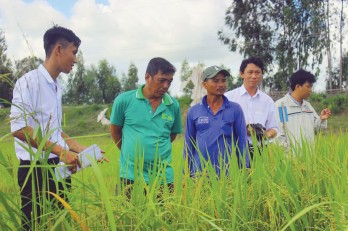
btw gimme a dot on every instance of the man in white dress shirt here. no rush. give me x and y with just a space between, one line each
258 107
36 116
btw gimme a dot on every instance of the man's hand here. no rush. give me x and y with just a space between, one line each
325 114
76 147
270 133
71 159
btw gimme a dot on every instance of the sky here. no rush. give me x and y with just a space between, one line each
125 31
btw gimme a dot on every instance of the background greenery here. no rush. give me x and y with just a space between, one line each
306 191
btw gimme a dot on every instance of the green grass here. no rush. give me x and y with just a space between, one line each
82 120
303 192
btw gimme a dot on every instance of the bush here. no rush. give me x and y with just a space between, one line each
185 102
336 103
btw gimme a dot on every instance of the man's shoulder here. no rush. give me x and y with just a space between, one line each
265 96
30 80
232 93
308 105
235 107
127 94
171 101
30 75
283 100
198 108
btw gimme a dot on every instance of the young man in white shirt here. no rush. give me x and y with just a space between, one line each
37 109
258 108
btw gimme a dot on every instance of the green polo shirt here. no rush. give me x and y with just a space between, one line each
146 141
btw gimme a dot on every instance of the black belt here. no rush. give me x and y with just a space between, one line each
51 161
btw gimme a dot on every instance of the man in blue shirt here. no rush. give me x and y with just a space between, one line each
213 124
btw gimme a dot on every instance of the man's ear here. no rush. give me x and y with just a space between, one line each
57 49
147 76
203 84
241 74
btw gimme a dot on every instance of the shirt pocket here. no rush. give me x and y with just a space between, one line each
227 127
167 128
260 117
202 128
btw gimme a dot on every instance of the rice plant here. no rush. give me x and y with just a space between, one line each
306 191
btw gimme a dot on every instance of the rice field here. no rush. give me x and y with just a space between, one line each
305 191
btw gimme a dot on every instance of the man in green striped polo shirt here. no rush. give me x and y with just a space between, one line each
144 122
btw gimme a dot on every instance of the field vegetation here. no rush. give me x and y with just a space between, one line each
305 189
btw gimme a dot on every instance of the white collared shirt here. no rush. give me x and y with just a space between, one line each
259 108
37 101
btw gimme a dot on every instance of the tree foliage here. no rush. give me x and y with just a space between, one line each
287 34
92 85
185 75
25 65
130 81
107 81
335 81
77 88
6 75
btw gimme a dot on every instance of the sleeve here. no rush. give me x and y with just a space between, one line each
177 126
240 136
22 107
190 137
318 123
118 108
281 136
272 122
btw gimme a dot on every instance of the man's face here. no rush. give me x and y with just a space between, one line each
67 57
217 85
159 83
305 90
251 76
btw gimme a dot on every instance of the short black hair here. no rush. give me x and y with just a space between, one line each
254 60
159 64
300 77
59 34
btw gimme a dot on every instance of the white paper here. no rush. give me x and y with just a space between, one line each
93 152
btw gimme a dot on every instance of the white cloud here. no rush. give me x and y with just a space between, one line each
125 31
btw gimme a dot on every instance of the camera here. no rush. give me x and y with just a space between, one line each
258 129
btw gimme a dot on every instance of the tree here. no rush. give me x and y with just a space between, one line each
328 43
108 82
341 49
287 34
340 70
186 71
6 76
185 75
25 65
130 81
77 89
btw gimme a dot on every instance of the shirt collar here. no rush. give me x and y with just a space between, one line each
243 91
294 102
47 75
166 99
225 104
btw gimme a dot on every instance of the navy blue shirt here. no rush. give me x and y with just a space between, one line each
211 136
